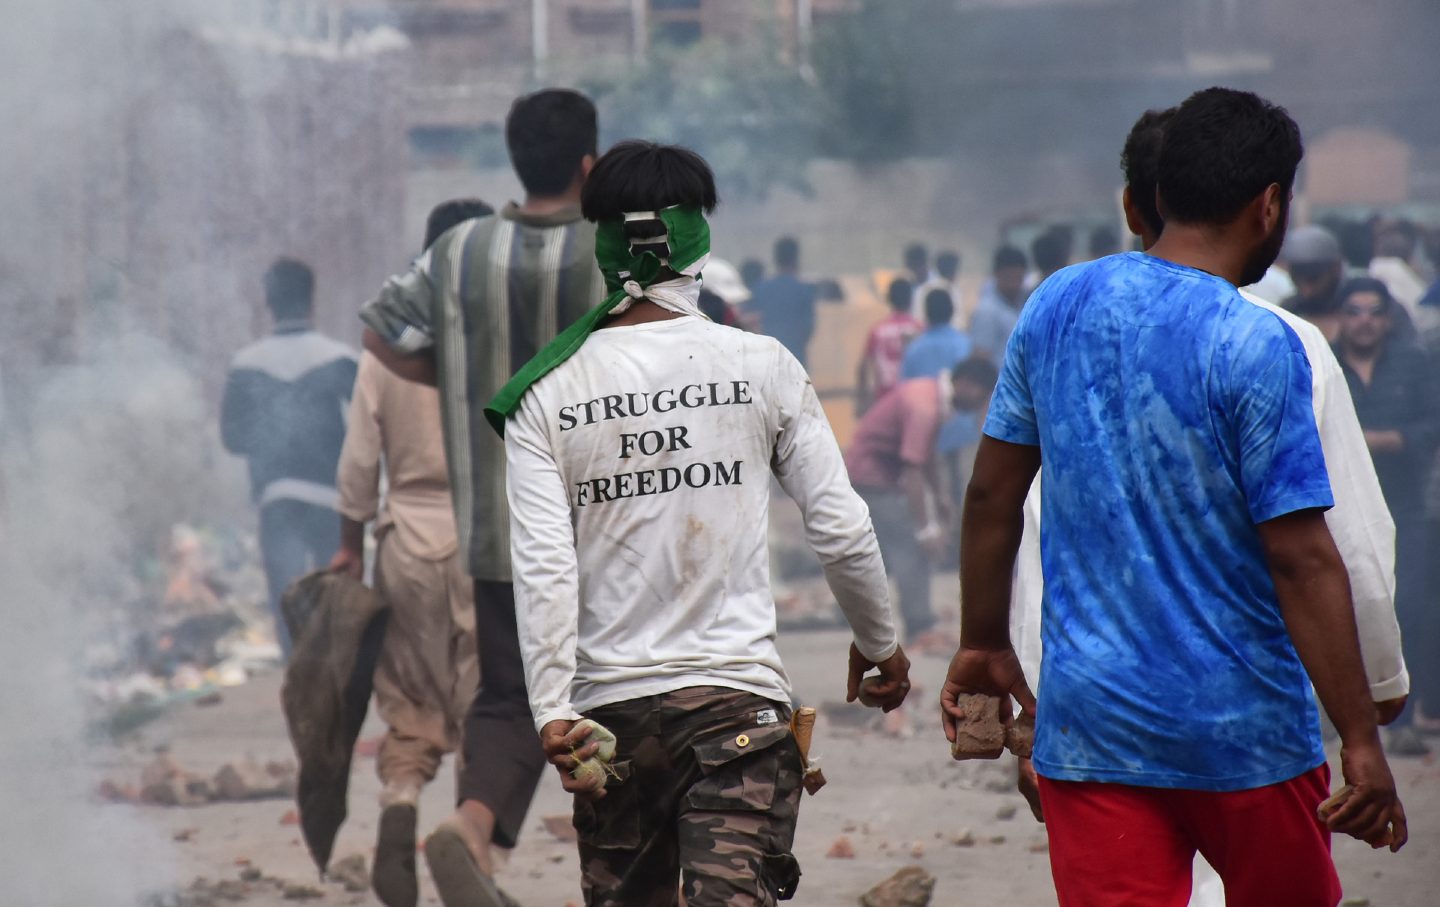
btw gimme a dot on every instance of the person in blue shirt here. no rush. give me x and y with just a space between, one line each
1192 590
785 303
942 347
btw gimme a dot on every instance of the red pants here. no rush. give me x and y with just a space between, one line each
1114 845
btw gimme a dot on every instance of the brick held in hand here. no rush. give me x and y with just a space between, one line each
979 734
1020 735
1327 809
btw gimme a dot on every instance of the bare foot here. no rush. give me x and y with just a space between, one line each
476 825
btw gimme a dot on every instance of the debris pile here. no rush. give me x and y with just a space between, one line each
910 887
165 783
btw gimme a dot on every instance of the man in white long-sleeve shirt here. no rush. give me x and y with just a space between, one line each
640 449
1359 522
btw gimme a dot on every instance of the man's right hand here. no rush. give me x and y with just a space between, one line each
893 686
565 748
349 562
994 672
1372 812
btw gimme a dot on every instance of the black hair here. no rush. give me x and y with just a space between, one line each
1366 285
1140 162
646 176
549 133
901 294
916 257
978 369
1104 241
752 271
290 289
1051 250
939 308
947 264
450 214
787 253
1220 150
1008 257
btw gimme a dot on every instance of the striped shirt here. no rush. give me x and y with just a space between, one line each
485 298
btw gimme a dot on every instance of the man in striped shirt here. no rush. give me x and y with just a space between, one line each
473 309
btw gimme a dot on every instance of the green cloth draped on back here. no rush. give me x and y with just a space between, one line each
626 274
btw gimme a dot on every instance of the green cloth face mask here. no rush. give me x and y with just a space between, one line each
629 267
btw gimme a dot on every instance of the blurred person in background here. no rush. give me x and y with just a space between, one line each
1133 786
785 304
1000 301
284 412
722 292
955 444
1050 252
1312 257
947 278
1396 244
1103 241
1394 385
1360 521
752 271
885 346
428 671
916 258
942 346
892 463
473 309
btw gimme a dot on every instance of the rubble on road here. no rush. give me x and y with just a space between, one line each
910 887
842 849
163 782
352 872
562 828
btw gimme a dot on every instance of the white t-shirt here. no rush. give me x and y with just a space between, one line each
639 486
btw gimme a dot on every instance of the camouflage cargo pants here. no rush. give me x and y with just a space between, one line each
707 794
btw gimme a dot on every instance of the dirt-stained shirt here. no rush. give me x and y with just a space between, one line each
639 480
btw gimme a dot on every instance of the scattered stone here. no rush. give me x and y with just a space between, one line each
910 887
251 874
291 817
1000 785
849 828
998 839
842 849
1040 847
352 872
917 850
557 858
245 779
562 828
965 838
295 891
1355 902
184 835
1006 812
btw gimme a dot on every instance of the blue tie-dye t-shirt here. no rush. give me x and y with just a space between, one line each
1172 417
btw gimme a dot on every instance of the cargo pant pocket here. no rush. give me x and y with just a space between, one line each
613 821
740 769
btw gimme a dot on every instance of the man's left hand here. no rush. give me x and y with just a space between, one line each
894 683
565 748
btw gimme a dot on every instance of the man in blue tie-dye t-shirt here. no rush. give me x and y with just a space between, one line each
1190 578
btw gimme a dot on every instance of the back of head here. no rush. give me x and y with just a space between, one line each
947 264
900 295
752 271
549 134
939 308
981 370
917 258
1050 251
1008 257
1140 162
1222 149
1311 247
447 215
787 254
290 289
645 176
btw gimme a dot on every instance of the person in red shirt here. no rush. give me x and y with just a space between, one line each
885 347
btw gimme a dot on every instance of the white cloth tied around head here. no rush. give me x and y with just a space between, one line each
681 295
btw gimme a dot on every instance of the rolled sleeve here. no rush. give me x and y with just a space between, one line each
403 313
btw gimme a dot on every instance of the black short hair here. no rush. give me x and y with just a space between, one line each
1008 257
1366 285
713 306
1220 150
978 369
290 289
901 294
450 214
947 264
549 133
916 257
752 271
646 176
1104 240
787 253
1140 162
1051 250
939 308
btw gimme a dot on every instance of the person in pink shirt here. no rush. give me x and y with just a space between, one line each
885 347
